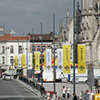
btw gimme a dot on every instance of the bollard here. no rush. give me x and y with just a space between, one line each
54 97
42 90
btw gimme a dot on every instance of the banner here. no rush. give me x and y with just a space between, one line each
37 60
60 60
19 60
26 60
44 60
48 59
29 61
81 59
32 60
16 61
66 58
23 61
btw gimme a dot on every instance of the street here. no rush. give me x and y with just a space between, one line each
79 87
49 86
11 90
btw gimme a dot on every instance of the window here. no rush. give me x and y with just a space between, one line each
3 50
11 49
38 48
20 49
32 48
3 60
11 59
43 48
48 47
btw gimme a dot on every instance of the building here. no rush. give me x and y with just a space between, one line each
66 34
11 45
90 30
87 30
47 42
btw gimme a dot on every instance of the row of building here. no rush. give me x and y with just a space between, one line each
12 44
86 29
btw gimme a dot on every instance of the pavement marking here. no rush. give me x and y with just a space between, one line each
17 96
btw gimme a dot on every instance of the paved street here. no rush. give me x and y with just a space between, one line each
79 87
49 86
11 90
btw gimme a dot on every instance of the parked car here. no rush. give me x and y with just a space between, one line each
7 77
3 76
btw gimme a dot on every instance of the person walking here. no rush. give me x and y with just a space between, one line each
74 96
68 92
63 92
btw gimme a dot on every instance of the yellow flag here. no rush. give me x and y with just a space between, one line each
16 61
24 61
32 60
37 61
44 60
66 58
81 58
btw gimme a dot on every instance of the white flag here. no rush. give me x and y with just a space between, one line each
60 60
48 59
29 61
19 60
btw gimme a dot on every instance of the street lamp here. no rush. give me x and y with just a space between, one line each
54 50
33 55
73 46
41 57
41 38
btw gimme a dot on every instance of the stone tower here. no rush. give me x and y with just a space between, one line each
90 24
61 31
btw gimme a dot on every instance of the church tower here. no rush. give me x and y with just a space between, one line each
61 31
90 23
67 26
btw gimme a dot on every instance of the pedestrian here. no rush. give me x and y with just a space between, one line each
74 96
68 92
63 92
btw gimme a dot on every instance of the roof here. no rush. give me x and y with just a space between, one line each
8 37
46 37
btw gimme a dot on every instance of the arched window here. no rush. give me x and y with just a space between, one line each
20 49
11 49
11 59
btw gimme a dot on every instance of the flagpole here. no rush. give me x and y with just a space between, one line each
41 57
33 54
54 50
73 46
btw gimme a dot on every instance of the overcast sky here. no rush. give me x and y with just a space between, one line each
23 15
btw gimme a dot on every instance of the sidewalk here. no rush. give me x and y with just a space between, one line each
35 91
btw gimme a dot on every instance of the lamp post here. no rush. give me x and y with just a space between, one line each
41 38
41 57
33 55
73 46
27 54
54 49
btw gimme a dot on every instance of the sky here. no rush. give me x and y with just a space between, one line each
24 15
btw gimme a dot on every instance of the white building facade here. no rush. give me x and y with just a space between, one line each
11 46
